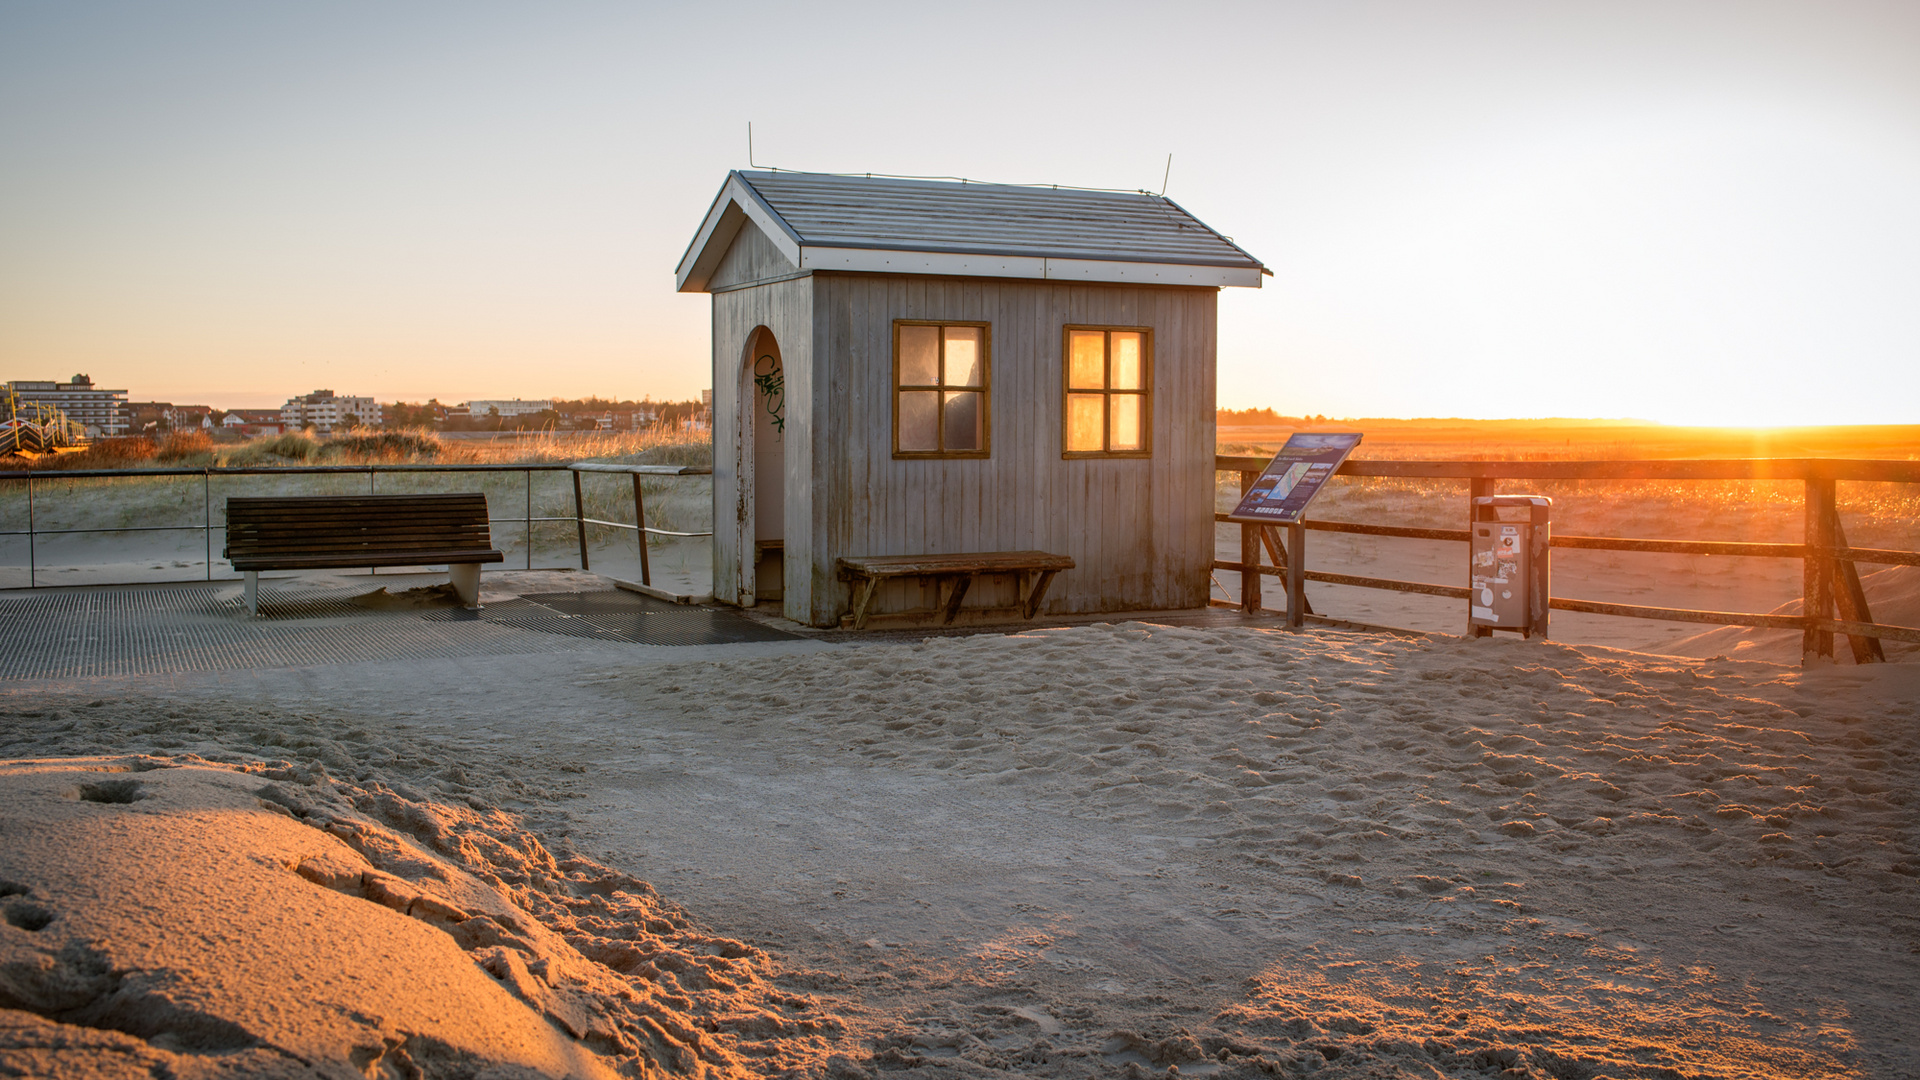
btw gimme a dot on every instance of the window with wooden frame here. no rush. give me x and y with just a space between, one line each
1108 401
941 382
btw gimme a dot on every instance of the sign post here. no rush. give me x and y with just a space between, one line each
1282 493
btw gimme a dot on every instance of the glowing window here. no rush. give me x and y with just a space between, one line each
940 389
1109 390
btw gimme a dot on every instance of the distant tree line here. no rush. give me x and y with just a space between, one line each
578 414
1259 417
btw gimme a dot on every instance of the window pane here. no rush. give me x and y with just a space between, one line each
919 420
1087 360
1083 421
1125 432
919 356
1126 361
964 421
963 355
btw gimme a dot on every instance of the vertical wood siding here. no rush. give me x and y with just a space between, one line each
751 257
1140 530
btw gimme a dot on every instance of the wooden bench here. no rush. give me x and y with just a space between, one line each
339 531
866 572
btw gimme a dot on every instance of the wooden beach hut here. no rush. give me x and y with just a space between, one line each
926 368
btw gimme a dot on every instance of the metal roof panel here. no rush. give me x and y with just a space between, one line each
882 213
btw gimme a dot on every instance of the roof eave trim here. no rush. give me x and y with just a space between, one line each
1032 267
1224 238
736 204
1250 263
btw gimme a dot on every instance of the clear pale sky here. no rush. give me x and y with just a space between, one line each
1684 211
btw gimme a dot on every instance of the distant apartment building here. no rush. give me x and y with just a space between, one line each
507 410
101 412
254 421
326 410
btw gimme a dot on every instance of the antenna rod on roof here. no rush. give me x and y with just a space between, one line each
750 163
1164 176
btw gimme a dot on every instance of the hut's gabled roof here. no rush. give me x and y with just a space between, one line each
825 221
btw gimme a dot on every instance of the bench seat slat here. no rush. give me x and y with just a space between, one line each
244 535
357 500
361 519
369 559
442 544
972 562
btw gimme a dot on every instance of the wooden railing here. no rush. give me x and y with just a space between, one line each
1830 579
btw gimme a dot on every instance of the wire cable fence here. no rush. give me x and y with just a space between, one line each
38 506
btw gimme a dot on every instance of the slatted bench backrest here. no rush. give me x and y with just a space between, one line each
336 531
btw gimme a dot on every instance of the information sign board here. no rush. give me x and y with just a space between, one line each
1296 475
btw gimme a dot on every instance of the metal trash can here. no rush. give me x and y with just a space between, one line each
1510 568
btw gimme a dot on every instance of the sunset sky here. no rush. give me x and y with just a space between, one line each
1683 211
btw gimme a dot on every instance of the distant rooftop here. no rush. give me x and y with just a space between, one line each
834 222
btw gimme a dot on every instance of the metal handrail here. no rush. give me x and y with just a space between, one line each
206 473
639 505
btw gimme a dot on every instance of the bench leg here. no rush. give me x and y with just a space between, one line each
1039 592
252 590
862 597
466 582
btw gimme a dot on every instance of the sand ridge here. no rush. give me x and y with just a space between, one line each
180 918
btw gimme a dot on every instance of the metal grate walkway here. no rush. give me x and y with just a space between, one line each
79 633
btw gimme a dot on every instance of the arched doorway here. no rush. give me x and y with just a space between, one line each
764 468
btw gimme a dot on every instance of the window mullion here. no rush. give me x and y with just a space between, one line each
1106 392
940 394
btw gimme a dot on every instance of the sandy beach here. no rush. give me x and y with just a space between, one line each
1091 851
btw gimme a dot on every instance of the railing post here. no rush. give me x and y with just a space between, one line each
1816 644
1249 554
640 529
580 517
33 566
1297 574
206 505
529 533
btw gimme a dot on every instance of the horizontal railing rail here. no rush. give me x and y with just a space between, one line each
1907 472
1830 581
36 478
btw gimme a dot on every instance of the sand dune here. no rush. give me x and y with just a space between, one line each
168 918
1893 596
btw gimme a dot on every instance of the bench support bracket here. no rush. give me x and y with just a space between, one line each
862 599
960 586
1032 605
252 589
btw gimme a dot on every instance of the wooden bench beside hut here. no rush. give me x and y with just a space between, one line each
930 398
349 531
